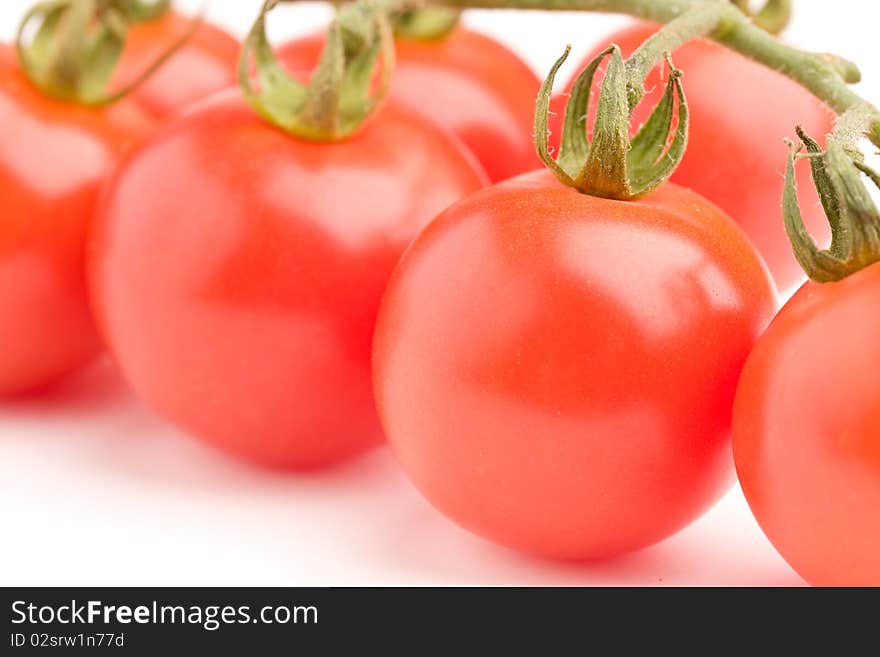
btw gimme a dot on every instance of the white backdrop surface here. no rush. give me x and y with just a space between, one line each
95 490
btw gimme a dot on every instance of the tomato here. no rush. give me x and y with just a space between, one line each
207 63
53 159
467 83
555 372
237 272
806 437
740 113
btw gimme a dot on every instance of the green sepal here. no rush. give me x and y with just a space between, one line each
605 172
341 93
77 46
425 23
612 165
139 11
650 160
853 216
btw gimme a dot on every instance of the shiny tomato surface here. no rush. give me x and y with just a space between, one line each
807 431
741 112
237 272
53 158
556 372
205 64
467 83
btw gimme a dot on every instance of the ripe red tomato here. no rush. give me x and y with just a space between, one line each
467 83
556 372
806 436
206 64
237 272
740 113
53 158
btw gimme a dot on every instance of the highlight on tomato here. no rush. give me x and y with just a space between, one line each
556 356
740 112
240 256
60 139
806 438
465 81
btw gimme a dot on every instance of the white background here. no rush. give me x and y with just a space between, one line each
94 490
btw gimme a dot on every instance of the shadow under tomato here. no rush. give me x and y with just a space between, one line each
161 455
92 445
699 555
89 390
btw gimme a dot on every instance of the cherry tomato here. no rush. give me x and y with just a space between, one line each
806 436
237 272
740 113
467 83
556 372
53 159
206 64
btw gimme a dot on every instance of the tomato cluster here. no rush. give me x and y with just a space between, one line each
553 370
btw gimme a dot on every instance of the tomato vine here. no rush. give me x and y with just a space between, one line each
729 23
75 45
826 76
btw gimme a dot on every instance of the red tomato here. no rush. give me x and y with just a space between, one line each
740 113
207 63
237 272
806 437
556 372
467 83
53 159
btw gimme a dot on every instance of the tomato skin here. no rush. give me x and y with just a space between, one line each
466 82
53 160
806 437
740 113
206 64
556 372
237 272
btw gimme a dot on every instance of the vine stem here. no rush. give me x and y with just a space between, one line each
695 22
826 76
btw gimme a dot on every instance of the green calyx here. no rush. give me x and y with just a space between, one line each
344 89
139 11
76 46
855 221
773 16
612 165
425 24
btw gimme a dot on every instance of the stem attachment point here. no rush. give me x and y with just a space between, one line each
613 165
350 81
76 46
855 221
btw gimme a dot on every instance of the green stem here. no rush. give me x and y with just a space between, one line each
139 11
696 22
825 76
773 17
